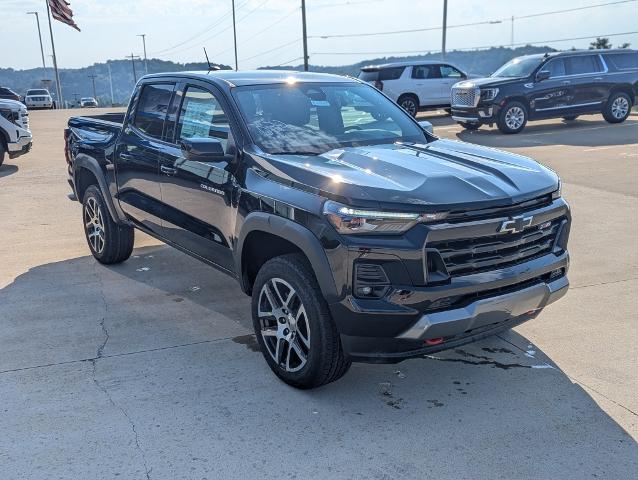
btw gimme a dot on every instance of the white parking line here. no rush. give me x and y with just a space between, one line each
593 149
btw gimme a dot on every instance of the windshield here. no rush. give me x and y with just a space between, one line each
518 67
37 92
313 118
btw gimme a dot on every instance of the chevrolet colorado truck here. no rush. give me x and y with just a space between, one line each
359 234
15 135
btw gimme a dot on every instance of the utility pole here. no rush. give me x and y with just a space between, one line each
444 28
143 35
75 96
133 57
60 101
108 65
512 33
93 77
235 36
37 19
305 35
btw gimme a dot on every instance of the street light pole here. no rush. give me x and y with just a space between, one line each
108 65
305 35
37 19
235 36
444 28
143 35
512 33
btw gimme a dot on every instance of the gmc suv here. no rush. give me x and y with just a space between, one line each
550 85
360 235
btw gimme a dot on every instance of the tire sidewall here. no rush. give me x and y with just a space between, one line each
502 126
94 192
315 310
413 100
609 115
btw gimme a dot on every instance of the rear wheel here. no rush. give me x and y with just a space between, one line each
409 103
2 153
108 241
512 118
618 108
293 326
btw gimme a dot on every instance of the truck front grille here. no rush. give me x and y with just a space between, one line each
474 255
465 97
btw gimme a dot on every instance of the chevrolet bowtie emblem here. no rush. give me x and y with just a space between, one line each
515 225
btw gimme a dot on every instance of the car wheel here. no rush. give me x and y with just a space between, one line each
617 108
293 325
2 153
108 241
448 111
512 118
410 104
470 126
570 118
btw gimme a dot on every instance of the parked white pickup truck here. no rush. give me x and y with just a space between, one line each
15 136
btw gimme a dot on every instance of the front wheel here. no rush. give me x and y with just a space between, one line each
512 118
618 108
293 325
108 241
2 153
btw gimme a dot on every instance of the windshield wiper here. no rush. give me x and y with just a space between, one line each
295 152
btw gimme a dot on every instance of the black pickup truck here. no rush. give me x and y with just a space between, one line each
360 235
550 85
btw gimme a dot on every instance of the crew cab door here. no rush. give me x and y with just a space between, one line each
428 84
138 152
198 195
586 73
552 92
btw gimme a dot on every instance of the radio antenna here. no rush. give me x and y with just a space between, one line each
210 67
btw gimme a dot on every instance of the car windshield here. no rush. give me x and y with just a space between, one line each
86 99
313 118
37 92
518 67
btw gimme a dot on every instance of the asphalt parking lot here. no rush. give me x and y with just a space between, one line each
148 369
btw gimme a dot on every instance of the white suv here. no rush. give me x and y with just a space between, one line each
415 85
15 136
38 98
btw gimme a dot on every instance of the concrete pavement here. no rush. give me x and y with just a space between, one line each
148 369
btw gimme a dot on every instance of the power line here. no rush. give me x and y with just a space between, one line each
279 47
485 22
289 61
589 37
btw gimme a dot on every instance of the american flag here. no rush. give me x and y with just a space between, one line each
61 12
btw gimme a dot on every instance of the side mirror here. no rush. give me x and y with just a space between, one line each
202 149
427 126
542 75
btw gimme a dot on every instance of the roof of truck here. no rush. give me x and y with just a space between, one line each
256 77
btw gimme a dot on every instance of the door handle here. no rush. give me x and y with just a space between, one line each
126 156
168 170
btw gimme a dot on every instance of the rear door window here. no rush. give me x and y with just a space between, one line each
420 72
623 61
583 64
152 108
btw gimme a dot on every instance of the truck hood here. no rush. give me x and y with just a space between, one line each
443 174
12 104
487 82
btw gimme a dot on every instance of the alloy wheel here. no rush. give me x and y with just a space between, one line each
94 223
284 323
514 118
409 106
619 107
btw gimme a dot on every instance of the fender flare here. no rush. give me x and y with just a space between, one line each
92 165
293 232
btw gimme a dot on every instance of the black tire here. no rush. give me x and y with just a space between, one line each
108 241
506 119
448 111
470 126
617 108
409 103
325 360
570 118
2 153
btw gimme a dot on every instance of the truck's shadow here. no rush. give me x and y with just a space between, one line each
6 170
168 330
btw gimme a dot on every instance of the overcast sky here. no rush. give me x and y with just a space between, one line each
269 31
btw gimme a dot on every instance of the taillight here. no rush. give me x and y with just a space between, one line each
378 84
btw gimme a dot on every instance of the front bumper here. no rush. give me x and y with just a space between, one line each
20 147
39 104
476 115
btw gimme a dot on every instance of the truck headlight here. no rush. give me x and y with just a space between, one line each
556 194
489 94
347 220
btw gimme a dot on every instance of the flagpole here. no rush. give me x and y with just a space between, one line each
55 61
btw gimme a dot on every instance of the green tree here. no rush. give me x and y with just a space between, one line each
601 43
625 45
